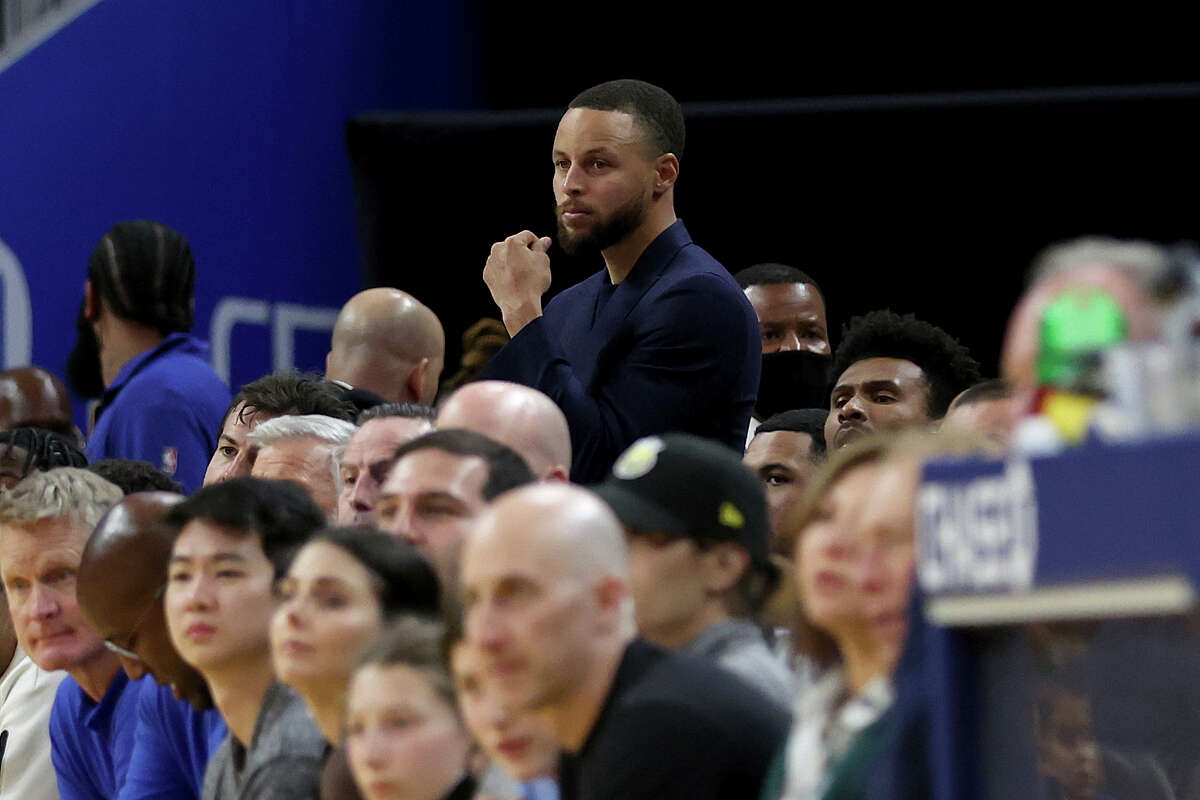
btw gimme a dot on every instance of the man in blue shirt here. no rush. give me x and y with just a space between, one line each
44 523
160 400
120 588
662 339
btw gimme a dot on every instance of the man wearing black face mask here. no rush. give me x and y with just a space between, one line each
795 339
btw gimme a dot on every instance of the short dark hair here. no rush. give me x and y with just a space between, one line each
772 274
947 364
135 476
405 583
654 109
292 393
800 420
994 389
403 410
280 513
145 273
506 469
44 449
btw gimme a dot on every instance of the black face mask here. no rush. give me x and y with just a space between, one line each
83 364
792 379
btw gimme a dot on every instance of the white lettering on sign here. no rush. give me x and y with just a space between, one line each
980 533
17 311
284 320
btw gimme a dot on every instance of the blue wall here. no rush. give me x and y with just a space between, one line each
225 120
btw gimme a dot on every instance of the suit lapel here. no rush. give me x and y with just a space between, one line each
589 355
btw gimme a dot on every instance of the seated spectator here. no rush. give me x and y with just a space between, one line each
545 586
855 562
380 431
343 587
784 452
120 585
387 342
135 476
31 397
894 372
404 677
45 521
266 398
795 338
303 450
233 541
986 408
699 564
438 486
521 743
523 418
27 450
159 397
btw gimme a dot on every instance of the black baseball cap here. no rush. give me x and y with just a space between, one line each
687 486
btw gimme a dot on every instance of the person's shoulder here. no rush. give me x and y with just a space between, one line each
697 688
183 366
288 729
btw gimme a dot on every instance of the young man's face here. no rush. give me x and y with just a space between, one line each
603 178
782 462
669 579
432 499
876 395
232 458
39 563
218 599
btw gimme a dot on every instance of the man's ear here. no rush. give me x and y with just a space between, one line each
612 596
724 565
666 169
416 381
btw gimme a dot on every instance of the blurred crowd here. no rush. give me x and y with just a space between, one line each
655 539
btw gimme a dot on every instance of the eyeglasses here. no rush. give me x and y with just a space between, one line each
125 652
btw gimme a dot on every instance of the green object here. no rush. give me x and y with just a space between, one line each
1077 325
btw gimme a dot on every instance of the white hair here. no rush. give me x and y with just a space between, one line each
332 431
69 492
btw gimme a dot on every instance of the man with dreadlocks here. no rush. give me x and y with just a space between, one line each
160 400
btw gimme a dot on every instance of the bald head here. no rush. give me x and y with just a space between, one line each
558 524
119 586
560 550
33 397
386 341
526 420
125 561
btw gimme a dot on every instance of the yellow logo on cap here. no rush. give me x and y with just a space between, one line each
639 459
729 516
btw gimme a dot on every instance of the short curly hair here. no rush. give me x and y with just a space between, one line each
946 363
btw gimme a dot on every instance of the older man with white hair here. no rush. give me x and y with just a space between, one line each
45 521
525 419
303 449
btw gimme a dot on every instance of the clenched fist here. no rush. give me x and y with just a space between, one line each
517 273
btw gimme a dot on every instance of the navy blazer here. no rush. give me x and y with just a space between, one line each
673 347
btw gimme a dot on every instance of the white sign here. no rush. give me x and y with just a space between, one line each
978 534
284 319
17 322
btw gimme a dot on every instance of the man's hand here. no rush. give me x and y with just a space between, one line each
517 274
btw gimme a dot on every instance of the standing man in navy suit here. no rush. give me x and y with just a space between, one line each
660 340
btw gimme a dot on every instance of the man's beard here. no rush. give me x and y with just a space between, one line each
83 364
604 233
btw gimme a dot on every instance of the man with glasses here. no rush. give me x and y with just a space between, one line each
45 521
120 586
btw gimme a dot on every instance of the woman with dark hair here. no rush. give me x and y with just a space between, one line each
26 450
343 586
404 735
